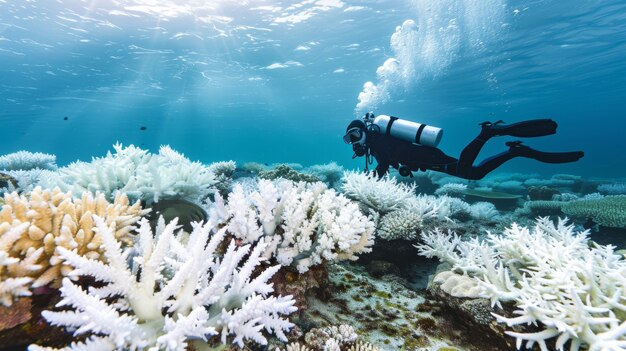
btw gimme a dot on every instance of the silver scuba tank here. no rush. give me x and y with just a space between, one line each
413 132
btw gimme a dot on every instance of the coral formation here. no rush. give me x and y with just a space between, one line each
223 172
573 292
612 189
177 292
26 160
286 172
33 227
382 195
399 224
303 224
330 173
452 189
609 211
139 174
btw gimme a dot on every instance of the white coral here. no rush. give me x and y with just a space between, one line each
26 160
574 292
139 174
484 211
177 291
303 224
383 195
399 224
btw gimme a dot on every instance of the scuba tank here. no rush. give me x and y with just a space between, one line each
413 132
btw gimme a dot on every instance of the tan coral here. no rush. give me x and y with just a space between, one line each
56 219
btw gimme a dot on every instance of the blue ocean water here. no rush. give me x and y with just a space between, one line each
278 81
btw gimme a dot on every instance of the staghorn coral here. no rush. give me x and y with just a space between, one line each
26 160
608 211
572 291
382 195
178 293
139 174
303 224
51 219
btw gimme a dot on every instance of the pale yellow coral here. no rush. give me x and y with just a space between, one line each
56 219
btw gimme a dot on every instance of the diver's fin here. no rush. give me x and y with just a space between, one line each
518 149
524 129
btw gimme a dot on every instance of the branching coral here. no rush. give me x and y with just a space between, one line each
574 292
382 195
37 224
177 292
609 211
303 224
25 160
223 172
139 174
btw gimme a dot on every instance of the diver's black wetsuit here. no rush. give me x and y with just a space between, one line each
390 151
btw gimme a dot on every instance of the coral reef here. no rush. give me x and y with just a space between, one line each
35 226
612 189
609 211
139 174
382 195
177 292
26 160
286 172
399 224
303 224
573 292
452 189
223 172
330 173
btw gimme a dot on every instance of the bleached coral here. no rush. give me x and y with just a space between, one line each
303 224
399 224
28 180
382 195
431 207
51 219
573 292
331 338
26 160
485 211
451 189
176 293
139 174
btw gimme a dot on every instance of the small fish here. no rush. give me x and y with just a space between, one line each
65 118
143 128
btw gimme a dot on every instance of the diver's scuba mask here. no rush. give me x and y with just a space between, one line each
356 137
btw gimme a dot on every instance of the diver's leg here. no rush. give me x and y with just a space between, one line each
516 149
530 128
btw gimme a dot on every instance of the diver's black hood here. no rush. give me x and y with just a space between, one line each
356 123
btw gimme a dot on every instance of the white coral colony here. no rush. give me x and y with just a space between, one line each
177 292
302 224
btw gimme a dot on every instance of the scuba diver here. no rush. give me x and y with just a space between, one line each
408 146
